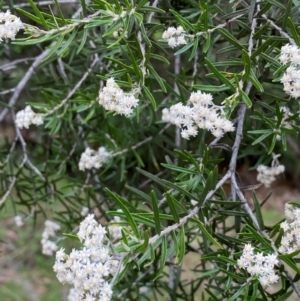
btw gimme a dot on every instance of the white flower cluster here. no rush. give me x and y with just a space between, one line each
204 114
19 221
266 175
259 265
113 98
89 269
49 246
9 25
91 158
290 54
290 241
175 36
27 117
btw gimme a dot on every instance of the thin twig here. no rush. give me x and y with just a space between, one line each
21 85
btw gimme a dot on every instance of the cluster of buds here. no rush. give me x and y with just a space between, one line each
204 115
9 25
89 269
92 159
266 175
290 54
27 117
175 36
259 265
290 241
113 98
49 246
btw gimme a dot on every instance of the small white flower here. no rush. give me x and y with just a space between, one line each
19 221
84 211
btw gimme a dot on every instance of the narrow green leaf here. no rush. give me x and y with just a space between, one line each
90 115
60 12
184 48
183 21
230 38
144 245
179 169
181 245
258 212
254 292
259 131
149 252
255 81
145 34
208 43
130 69
83 40
139 18
55 47
172 207
228 273
211 88
28 15
157 77
216 72
176 187
134 62
261 48
256 236
293 29
115 27
45 38
39 15
238 293
128 215
141 4
194 50
149 95
72 236
142 194
205 232
247 65
124 238
285 296
246 100
276 3
67 43
274 140
207 188
159 58
290 262
163 257
261 138
156 212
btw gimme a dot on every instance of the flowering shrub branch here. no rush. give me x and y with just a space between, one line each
94 146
